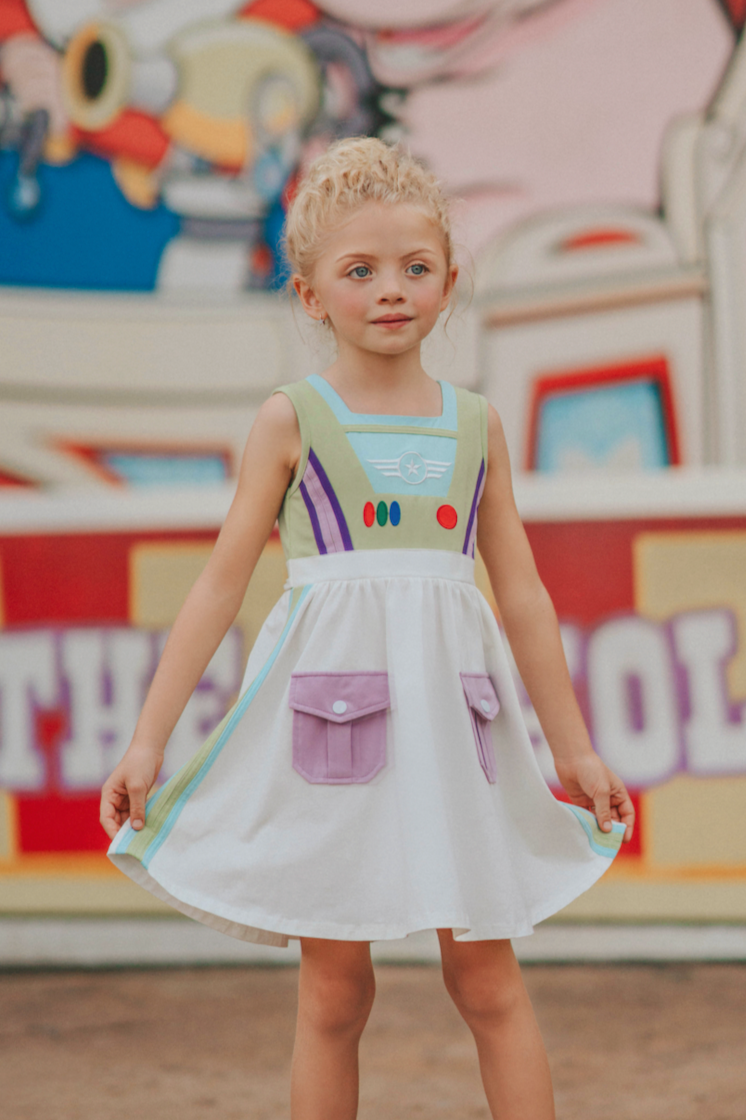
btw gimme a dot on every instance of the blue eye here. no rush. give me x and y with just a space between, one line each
360 271
417 269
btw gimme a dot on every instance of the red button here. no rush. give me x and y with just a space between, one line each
447 517
369 514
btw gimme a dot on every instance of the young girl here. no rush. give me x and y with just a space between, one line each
375 776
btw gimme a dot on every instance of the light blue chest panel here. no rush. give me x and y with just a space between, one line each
401 462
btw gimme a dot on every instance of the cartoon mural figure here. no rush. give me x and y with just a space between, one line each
202 109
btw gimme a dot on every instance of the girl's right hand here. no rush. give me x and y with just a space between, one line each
124 793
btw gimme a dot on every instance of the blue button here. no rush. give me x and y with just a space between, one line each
395 513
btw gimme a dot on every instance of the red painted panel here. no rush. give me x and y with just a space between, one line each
65 579
586 566
72 578
60 824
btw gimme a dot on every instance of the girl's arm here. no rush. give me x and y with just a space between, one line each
269 462
531 627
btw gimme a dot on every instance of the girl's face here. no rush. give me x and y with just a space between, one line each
382 279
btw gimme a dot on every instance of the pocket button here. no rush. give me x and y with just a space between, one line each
339 707
485 705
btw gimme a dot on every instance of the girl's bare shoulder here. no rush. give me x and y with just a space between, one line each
275 432
278 411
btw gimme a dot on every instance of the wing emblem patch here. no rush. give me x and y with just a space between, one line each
411 466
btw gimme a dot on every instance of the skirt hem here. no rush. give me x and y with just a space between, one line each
277 931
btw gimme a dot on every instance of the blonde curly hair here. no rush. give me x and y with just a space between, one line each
348 174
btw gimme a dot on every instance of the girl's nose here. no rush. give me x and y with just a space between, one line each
391 289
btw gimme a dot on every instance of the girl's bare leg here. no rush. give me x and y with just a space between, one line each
335 995
485 983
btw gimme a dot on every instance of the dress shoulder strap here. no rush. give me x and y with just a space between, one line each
483 418
472 412
305 401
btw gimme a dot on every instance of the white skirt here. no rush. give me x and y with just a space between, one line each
375 778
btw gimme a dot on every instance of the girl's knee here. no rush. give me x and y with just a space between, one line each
486 989
341 1007
336 991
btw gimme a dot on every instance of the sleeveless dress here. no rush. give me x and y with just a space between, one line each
375 776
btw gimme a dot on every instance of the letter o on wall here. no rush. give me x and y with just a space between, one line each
642 747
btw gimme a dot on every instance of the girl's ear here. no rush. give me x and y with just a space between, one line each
310 302
449 286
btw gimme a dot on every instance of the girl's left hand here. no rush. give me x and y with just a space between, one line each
591 785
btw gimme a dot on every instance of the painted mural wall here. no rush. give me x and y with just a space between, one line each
200 114
597 153
151 146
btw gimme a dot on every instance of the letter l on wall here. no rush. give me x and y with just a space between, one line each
714 736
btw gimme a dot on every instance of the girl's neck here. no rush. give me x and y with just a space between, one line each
382 383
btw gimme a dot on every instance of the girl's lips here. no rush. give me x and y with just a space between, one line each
392 322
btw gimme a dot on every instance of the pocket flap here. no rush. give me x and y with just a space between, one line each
339 696
480 694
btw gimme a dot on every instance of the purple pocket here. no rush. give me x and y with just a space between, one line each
339 725
483 707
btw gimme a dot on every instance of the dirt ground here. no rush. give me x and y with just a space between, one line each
628 1042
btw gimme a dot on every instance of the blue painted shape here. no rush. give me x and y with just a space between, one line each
395 513
228 730
448 418
274 230
602 843
611 426
167 470
84 233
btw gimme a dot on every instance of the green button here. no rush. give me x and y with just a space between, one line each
382 513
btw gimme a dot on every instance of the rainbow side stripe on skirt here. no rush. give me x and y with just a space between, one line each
163 809
603 843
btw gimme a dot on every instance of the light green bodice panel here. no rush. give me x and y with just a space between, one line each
368 482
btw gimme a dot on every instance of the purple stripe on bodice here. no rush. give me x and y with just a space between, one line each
318 535
470 540
327 519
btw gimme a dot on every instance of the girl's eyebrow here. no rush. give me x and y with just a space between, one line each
361 255
356 256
